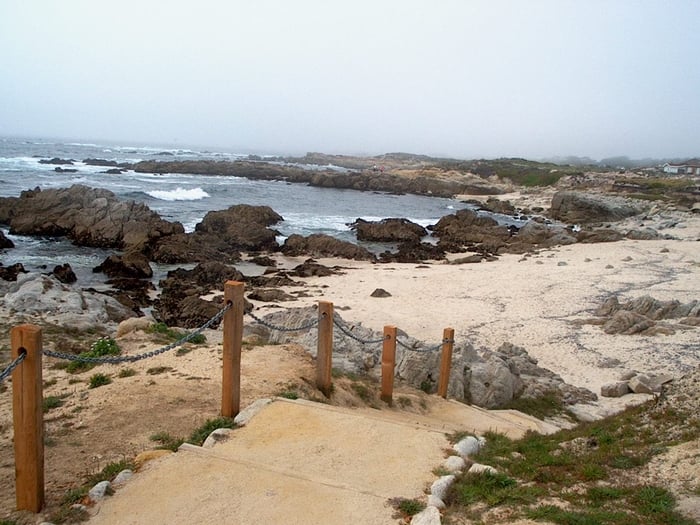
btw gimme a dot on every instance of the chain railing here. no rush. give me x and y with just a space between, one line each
278 328
14 364
115 360
347 332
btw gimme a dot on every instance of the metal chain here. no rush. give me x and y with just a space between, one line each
14 364
430 349
271 326
347 332
133 358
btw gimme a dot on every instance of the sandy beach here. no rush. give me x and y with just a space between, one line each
538 301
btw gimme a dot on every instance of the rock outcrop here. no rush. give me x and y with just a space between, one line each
645 315
490 379
180 302
60 303
5 242
388 230
243 227
320 245
576 208
87 216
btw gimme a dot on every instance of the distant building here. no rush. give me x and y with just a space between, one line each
689 167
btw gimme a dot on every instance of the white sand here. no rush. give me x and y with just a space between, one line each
531 301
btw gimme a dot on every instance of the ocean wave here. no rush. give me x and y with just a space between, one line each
179 194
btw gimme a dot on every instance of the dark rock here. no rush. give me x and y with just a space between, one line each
466 227
179 302
5 242
388 230
575 207
414 252
273 281
64 273
270 296
132 293
647 234
599 235
468 260
114 171
311 268
131 264
100 162
243 227
193 247
88 216
498 206
263 260
380 292
56 160
320 245
9 273
59 169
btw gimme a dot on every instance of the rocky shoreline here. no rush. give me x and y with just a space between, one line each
91 217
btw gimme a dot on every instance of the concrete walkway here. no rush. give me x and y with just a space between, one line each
298 462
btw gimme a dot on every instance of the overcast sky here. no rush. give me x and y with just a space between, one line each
462 78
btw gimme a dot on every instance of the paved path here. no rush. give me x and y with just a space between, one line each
298 462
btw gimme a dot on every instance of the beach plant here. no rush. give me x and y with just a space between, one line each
126 372
105 346
202 432
168 334
167 441
98 380
557 477
51 402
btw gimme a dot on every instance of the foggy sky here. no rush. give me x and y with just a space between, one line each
460 78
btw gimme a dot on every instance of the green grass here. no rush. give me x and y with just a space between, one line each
104 346
408 507
568 466
51 402
169 334
167 441
126 372
200 434
98 380
158 370
109 472
288 394
548 405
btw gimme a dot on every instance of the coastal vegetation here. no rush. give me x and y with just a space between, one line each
594 474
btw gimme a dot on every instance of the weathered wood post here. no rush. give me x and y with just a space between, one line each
232 343
388 363
448 337
27 398
324 354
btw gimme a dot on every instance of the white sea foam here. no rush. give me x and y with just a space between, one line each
179 194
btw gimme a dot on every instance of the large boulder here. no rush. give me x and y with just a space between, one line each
537 235
87 216
192 248
321 245
5 242
132 264
388 230
180 301
243 227
577 207
47 298
10 273
467 227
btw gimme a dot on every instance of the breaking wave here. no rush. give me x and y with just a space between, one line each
179 194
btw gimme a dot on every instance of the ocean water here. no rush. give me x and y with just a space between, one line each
187 197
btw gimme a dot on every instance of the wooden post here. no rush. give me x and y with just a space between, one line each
388 363
448 337
27 398
324 355
233 340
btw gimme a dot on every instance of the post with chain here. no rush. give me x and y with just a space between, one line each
388 363
232 343
324 355
27 398
448 337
